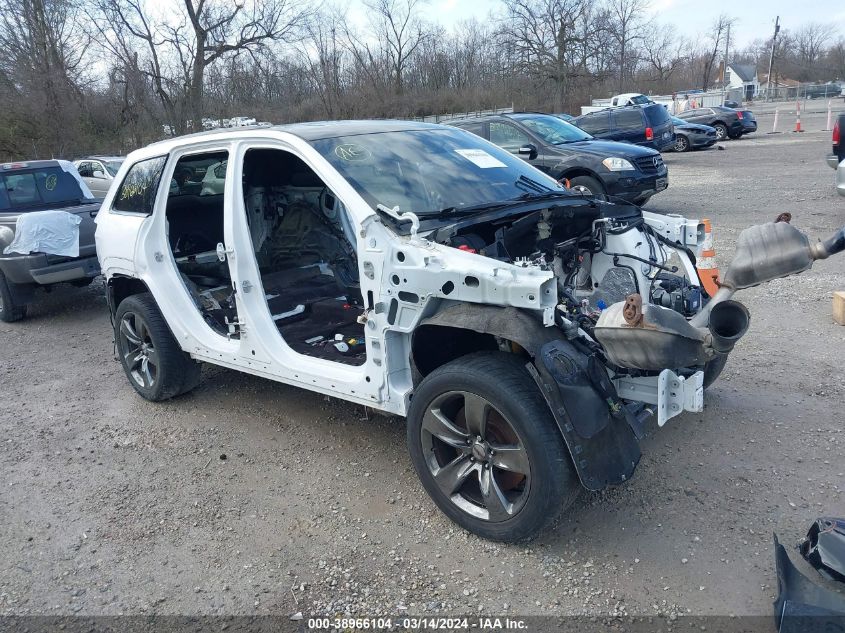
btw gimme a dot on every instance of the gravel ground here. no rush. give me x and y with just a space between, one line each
250 497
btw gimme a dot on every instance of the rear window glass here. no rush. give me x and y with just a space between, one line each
137 192
657 115
39 187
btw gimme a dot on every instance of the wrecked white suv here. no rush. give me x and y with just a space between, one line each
525 332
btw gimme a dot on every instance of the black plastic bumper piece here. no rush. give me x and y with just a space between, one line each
604 449
806 602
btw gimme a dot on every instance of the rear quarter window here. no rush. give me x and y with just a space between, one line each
137 192
627 120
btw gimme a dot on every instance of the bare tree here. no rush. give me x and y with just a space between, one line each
716 36
178 50
628 24
810 41
322 55
397 31
663 54
544 34
41 53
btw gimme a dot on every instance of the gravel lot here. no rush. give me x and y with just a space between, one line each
250 497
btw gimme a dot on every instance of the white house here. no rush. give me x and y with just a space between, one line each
743 76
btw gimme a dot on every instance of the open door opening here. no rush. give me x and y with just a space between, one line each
194 217
304 245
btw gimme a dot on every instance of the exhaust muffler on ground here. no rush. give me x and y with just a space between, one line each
651 337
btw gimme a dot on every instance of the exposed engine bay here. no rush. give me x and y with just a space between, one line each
601 254
629 293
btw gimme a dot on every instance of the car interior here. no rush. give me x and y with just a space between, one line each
303 242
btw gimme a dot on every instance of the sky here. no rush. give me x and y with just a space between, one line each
755 18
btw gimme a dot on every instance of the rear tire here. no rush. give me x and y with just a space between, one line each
511 483
681 143
154 364
9 311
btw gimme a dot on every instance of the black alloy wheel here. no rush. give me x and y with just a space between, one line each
487 449
138 350
156 366
476 458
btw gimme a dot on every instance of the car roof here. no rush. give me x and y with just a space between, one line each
27 164
102 157
311 131
503 115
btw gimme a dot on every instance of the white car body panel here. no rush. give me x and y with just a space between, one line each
137 246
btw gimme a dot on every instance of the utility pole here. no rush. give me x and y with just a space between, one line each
772 60
725 64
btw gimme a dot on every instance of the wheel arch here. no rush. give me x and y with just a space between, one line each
574 172
119 287
465 328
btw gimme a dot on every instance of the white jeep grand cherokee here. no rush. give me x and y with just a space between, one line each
525 332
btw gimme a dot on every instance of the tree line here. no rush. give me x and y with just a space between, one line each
84 76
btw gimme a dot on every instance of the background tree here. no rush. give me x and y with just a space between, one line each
716 36
628 24
544 34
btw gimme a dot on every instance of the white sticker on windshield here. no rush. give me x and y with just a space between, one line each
480 158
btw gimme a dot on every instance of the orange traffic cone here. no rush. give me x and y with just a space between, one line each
798 118
708 272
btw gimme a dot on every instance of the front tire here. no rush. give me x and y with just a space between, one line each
154 364
9 311
487 449
586 185
721 131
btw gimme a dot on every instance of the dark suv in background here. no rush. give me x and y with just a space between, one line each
726 121
649 125
566 152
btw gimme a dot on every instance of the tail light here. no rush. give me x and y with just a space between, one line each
649 134
836 133
739 115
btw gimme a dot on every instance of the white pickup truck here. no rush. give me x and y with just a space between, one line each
619 101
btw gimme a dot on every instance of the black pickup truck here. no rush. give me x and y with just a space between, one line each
27 188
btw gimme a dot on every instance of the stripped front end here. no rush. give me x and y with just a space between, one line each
638 328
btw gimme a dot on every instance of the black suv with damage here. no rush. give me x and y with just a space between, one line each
568 154
46 231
